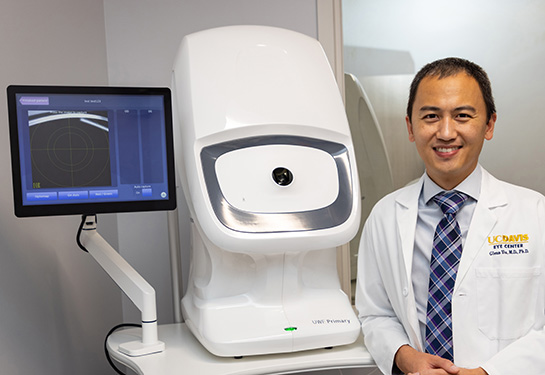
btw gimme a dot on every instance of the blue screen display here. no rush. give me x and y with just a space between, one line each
91 149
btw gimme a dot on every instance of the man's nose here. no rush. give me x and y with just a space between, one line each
446 129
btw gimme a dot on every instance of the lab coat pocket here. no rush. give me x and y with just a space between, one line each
506 301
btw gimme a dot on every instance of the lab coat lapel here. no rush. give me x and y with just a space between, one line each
406 217
482 223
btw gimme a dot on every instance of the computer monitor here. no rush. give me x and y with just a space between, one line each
90 150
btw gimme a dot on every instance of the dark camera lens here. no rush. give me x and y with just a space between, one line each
282 176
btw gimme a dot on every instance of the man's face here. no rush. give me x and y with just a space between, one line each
449 126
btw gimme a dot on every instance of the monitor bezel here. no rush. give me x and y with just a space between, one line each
57 209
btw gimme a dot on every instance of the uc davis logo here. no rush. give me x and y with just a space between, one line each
508 239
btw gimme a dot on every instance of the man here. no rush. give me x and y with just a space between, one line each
450 270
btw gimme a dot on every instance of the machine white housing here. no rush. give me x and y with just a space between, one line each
268 170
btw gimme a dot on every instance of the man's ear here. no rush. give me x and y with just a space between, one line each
409 128
489 133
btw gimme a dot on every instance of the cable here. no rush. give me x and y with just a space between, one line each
108 357
78 235
83 218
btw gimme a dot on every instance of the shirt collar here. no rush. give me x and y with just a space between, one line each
470 186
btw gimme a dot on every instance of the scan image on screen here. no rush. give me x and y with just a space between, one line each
85 150
69 148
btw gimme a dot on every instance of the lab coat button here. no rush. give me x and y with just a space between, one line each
405 292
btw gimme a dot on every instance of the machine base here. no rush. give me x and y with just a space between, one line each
238 326
185 354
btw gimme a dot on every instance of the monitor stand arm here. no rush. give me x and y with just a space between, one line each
140 292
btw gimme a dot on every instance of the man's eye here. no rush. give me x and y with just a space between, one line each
464 115
430 116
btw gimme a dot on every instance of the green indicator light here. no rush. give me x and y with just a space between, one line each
290 329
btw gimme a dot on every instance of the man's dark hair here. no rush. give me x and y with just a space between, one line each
451 66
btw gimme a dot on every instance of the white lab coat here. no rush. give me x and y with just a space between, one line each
499 296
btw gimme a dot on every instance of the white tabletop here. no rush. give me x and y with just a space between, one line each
185 355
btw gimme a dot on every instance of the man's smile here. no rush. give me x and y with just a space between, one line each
447 150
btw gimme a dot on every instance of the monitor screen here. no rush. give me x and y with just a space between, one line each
89 150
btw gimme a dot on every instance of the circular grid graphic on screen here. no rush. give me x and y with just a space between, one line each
69 148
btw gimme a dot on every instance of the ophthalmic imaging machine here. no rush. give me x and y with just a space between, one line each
264 156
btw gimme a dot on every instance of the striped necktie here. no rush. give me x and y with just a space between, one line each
446 253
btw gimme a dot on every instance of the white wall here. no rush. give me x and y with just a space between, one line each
505 37
56 304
